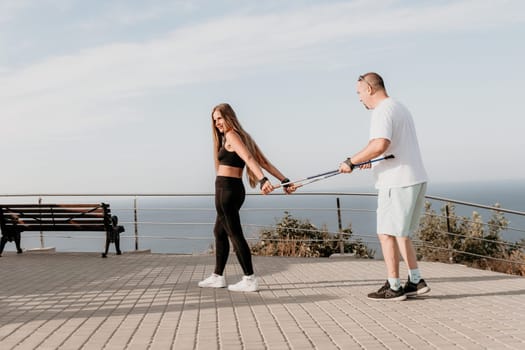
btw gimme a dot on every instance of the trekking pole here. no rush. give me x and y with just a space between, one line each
326 175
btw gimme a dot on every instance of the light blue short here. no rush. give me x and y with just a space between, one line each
399 209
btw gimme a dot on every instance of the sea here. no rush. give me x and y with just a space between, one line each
183 224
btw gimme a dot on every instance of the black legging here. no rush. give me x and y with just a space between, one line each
229 197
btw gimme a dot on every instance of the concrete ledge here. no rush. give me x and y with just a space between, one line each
140 251
48 250
345 255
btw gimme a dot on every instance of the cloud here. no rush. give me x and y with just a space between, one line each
86 87
9 9
124 13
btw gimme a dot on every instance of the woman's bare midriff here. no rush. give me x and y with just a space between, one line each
229 171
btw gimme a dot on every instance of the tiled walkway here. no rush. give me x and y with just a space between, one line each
151 301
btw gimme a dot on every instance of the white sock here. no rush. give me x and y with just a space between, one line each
395 283
415 276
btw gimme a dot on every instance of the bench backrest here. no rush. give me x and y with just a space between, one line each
55 217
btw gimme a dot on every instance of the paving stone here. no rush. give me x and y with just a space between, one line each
152 301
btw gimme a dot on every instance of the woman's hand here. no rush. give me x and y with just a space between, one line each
266 187
290 188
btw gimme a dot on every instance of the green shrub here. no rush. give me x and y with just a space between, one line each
295 237
468 240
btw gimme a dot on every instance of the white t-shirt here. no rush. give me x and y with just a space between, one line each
393 121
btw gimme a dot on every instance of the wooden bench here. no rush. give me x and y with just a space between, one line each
17 218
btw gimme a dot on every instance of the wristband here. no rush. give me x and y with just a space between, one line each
349 163
262 181
285 180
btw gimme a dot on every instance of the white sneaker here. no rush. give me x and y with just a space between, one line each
214 281
247 284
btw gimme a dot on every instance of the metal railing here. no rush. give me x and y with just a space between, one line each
183 222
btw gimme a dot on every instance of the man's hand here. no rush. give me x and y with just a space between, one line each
367 165
345 168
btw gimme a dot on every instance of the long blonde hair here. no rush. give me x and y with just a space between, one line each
232 123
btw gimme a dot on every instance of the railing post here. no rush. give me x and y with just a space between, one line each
450 256
341 242
136 224
41 233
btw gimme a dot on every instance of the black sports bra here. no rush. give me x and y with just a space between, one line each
230 158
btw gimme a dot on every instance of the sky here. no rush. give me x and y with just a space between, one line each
116 96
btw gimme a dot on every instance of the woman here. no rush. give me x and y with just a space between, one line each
233 149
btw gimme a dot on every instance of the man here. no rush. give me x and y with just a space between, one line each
401 184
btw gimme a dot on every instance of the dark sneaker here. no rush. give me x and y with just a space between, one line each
415 289
387 293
